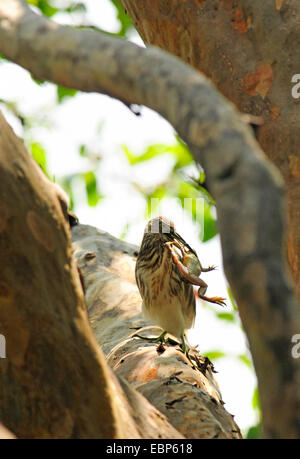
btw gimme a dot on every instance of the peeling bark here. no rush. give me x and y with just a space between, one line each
247 189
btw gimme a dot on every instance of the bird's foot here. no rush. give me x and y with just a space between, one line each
160 339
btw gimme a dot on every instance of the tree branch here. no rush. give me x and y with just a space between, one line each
247 189
189 398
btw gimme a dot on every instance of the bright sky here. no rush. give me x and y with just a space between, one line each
77 122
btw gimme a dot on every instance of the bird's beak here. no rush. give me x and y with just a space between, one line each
179 239
182 242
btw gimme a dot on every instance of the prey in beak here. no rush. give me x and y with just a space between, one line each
190 268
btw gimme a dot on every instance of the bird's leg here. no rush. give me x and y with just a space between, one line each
159 339
184 345
215 299
185 348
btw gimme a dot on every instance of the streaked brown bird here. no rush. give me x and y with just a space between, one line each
165 276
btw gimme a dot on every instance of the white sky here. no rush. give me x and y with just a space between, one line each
77 122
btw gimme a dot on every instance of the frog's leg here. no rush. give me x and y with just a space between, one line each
206 270
215 299
185 273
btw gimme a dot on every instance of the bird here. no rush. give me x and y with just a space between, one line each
165 278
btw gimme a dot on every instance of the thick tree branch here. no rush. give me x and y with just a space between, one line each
188 397
247 189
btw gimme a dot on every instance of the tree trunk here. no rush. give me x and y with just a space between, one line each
250 50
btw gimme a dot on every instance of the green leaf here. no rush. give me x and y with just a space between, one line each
63 92
151 152
76 8
93 196
46 8
210 224
158 193
153 199
39 155
178 151
185 190
245 359
66 184
254 432
207 195
228 316
255 399
129 155
83 150
213 355
123 18
124 231
232 300
39 82
182 154
201 214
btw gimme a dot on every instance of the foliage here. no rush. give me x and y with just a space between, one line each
254 432
51 7
63 93
178 184
123 18
39 155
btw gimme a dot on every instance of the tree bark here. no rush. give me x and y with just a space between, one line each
54 381
247 189
189 397
250 50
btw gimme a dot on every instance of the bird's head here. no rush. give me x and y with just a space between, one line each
163 230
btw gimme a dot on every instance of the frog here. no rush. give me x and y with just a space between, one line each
190 269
